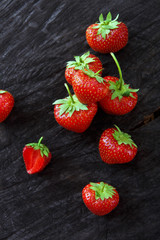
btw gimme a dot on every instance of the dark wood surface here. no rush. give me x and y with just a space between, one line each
37 38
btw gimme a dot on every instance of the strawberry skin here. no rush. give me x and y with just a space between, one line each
100 198
79 121
120 99
115 40
69 73
88 89
116 147
94 65
6 104
36 156
112 41
116 106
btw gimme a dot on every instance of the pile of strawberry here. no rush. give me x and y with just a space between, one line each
76 112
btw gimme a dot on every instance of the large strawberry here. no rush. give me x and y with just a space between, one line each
116 146
87 60
36 156
100 198
89 87
120 98
107 35
72 114
6 104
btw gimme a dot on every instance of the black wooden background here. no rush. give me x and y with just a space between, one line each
37 38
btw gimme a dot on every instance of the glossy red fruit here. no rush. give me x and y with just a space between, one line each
117 106
87 61
107 35
72 114
100 198
120 99
36 156
6 104
116 146
89 87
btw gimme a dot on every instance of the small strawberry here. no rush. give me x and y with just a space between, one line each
107 35
89 87
36 156
116 146
6 104
100 198
87 60
120 98
72 114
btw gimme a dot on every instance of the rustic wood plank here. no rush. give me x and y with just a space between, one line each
37 38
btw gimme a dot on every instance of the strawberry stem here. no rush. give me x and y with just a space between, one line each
69 93
97 73
121 81
2 91
103 187
40 140
122 137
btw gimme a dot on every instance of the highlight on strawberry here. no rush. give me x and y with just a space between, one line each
107 35
73 115
86 61
116 146
6 104
100 198
120 99
36 156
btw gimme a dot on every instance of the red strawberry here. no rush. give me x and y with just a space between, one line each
36 156
100 198
107 35
6 104
72 114
120 98
87 60
116 146
89 87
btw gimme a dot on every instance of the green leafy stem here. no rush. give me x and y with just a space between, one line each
105 26
2 91
70 104
119 88
102 190
122 137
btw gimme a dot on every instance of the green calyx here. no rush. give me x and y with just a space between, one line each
2 91
92 74
102 190
119 88
39 146
80 61
70 104
122 137
104 26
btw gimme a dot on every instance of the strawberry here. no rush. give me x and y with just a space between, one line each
89 87
100 198
107 35
6 104
36 156
116 146
72 114
87 60
120 98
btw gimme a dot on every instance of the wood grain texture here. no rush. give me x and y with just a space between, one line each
37 38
